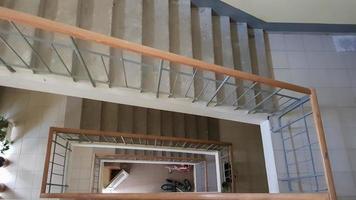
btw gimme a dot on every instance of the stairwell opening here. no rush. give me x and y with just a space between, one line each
247 149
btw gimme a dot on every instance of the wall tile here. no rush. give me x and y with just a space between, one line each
312 42
339 160
294 42
344 184
279 59
328 43
282 74
297 59
276 41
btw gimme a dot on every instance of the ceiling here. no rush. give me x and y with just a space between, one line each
300 11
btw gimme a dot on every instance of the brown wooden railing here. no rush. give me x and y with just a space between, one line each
63 139
55 27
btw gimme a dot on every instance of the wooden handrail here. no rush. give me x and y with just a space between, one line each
322 144
56 27
46 163
191 196
144 157
135 136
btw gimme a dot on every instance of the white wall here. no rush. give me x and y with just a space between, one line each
311 60
33 113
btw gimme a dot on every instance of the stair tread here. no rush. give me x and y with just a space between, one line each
127 24
95 16
91 114
260 63
155 34
224 57
109 118
64 12
140 125
203 49
242 57
181 43
17 43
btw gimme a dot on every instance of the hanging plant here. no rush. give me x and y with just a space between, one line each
4 141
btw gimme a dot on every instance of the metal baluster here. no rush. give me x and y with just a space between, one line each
14 51
310 148
285 154
87 138
30 45
106 71
248 101
82 61
51 174
285 103
201 92
123 140
159 78
297 166
65 156
123 68
61 59
299 118
218 89
191 82
264 100
7 65
244 93
227 96
173 86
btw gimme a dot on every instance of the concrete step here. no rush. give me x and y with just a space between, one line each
140 120
167 126
57 58
203 49
155 34
109 116
224 57
154 125
126 24
95 16
191 129
73 112
242 56
126 123
91 114
179 129
140 123
259 63
18 43
202 126
213 129
126 119
180 37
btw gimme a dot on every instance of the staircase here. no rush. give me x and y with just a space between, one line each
171 56
179 27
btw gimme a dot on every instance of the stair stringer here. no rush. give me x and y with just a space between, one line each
65 86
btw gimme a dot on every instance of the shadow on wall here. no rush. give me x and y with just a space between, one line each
248 159
32 112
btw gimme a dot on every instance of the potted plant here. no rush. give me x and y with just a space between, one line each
5 135
5 128
2 187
